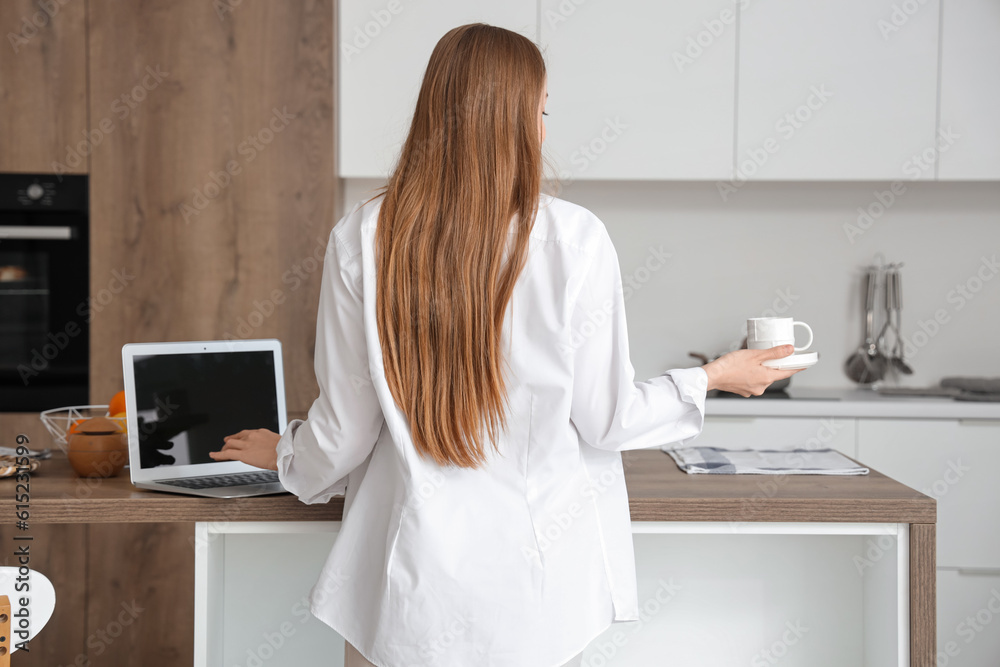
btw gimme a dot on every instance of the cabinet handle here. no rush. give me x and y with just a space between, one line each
729 419
22 233
977 571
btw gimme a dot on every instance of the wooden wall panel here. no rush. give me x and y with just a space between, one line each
60 553
246 90
141 578
43 85
57 551
13 424
98 570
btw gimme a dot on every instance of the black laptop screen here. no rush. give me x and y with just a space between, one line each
186 403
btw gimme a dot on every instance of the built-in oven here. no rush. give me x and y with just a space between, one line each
44 288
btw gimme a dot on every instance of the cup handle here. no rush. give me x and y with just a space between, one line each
809 329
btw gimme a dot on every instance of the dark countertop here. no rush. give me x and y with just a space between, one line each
658 491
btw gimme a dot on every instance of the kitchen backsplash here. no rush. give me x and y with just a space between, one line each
696 266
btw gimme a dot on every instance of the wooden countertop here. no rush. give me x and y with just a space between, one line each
658 491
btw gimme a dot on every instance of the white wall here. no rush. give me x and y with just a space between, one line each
772 243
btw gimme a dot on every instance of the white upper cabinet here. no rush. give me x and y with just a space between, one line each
837 90
383 51
724 90
970 89
640 89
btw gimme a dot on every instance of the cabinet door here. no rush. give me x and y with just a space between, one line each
779 433
833 90
43 88
226 159
958 464
640 89
383 49
968 618
970 88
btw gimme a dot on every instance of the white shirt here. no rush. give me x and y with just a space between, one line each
524 561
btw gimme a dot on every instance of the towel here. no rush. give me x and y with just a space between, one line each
978 385
931 392
716 461
974 389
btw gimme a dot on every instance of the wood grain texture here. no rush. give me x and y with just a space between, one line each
141 588
217 192
923 595
43 86
13 424
60 553
658 491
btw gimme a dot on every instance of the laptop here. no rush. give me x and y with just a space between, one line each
183 398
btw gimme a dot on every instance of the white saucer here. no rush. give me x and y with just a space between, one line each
802 360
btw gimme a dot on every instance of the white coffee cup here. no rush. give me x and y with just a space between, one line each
767 332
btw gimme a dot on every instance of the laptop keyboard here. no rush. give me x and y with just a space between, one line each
215 481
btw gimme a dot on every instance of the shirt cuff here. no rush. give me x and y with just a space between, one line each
303 480
285 450
692 385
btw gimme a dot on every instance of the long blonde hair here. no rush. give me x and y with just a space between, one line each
469 173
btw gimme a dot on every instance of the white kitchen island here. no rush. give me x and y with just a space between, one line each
731 571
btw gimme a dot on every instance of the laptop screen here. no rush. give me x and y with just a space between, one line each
186 403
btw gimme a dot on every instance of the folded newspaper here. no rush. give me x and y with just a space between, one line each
716 461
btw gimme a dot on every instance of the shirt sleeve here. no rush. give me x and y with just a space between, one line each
610 409
315 455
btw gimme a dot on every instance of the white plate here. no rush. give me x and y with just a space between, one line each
804 360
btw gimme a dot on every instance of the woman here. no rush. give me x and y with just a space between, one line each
476 392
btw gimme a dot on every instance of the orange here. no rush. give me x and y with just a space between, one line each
117 404
75 426
121 419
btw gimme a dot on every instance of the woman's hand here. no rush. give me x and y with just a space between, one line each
741 372
258 448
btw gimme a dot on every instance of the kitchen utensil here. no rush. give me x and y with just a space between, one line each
766 332
866 365
895 290
878 362
884 316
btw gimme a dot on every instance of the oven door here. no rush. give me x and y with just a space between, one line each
44 315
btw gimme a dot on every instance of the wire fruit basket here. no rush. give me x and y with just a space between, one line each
59 421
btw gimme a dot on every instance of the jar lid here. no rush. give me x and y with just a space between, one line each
99 426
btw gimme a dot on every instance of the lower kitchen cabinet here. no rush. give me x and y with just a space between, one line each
968 618
779 433
956 463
